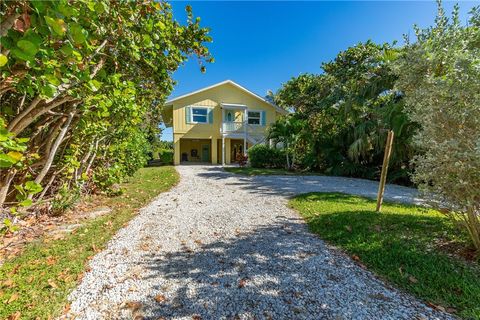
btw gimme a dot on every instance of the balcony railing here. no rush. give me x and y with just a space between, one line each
237 126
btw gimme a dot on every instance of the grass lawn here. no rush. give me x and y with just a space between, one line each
36 283
401 244
249 171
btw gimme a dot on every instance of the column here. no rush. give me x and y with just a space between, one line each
223 150
176 149
246 134
228 152
214 150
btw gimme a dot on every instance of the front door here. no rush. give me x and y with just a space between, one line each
206 153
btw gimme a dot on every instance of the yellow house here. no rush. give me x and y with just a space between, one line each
217 123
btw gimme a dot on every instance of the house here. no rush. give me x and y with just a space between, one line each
217 123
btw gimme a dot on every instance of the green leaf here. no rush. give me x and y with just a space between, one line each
7 222
56 25
17 53
3 60
147 41
94 85
48 90
6 161
26 203
66 10
39 6
33 187
52 79
101 7
79 35
27 47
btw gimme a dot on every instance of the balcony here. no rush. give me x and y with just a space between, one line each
233 127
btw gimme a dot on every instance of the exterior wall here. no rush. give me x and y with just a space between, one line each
227 93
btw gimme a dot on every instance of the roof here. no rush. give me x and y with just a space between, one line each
277 108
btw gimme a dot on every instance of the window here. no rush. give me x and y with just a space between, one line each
199 115
254 117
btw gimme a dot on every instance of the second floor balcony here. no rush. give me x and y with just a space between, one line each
233 127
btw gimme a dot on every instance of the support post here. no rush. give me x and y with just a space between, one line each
383 176
246 133
213 150
223 150
228 150
176 149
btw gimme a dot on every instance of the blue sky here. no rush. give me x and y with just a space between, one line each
261 45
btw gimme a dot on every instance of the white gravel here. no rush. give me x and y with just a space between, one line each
223 246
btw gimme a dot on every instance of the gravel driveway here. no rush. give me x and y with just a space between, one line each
223 246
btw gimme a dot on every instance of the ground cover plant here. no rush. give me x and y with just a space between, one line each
36 283
418 249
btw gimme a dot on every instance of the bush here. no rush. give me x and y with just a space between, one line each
262 156
166 156
439 75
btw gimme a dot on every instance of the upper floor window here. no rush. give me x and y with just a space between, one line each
254 117
199 115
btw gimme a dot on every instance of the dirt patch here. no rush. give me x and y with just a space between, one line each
40 226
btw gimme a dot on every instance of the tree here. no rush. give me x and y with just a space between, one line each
347 112
81 87
288 130
440 76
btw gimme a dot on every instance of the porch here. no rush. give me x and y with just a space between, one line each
210 151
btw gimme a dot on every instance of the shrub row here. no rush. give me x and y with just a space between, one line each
262 156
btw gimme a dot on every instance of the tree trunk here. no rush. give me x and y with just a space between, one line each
27 117
54 148
23 113
47 186
5 185
288 159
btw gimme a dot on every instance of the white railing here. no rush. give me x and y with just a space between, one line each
237 126
255 134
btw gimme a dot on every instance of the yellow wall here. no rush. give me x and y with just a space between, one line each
227 93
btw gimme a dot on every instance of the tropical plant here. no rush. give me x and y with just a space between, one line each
345 114
81 86
440 76
288 131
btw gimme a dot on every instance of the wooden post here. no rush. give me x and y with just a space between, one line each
383 176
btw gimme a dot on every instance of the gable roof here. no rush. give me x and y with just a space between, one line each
277 108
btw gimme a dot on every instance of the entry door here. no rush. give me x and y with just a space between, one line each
206 153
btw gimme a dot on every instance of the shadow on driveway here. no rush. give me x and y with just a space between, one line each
276 271
288 186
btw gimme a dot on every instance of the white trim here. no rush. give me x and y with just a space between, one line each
233 105
278 109
199 107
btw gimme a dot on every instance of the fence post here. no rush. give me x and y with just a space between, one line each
383 176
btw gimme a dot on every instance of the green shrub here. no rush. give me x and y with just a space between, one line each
262 156
166 156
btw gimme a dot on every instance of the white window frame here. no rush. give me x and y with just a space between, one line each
199 107
259 118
